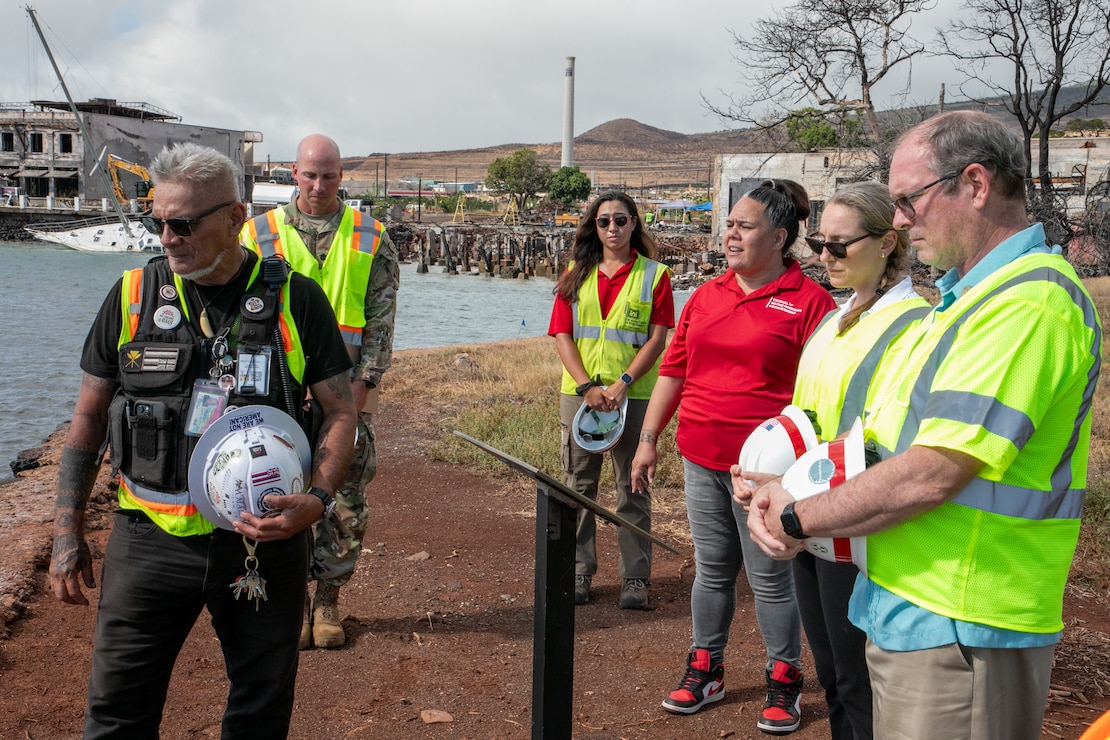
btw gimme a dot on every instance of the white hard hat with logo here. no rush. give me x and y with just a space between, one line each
598 431
247 454
776 443
824 467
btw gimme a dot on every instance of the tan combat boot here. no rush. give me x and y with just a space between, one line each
306 625
327 632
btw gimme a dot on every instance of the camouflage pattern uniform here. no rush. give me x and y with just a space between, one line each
338 538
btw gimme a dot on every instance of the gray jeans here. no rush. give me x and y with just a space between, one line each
583 471
722 544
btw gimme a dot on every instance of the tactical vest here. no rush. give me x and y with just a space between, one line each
998 552
607 346
160 357
345 272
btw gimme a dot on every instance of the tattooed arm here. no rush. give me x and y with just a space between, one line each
334 449
70 562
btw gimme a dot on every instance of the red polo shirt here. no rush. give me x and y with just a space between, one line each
738 355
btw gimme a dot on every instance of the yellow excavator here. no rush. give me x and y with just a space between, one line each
144 188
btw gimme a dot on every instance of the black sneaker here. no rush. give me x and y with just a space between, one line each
783 711
582 590
703 684
634 593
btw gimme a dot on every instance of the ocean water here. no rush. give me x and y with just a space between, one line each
49 295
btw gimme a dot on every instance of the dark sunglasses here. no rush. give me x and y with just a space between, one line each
620 220
836 249
179 226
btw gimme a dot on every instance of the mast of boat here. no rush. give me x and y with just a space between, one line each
81 124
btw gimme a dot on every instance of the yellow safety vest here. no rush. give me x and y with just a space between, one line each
608 345
998 552
835 371
173 511
345 272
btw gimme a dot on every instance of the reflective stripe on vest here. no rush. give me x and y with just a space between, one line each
827 382
345 272
998 552
608 347
174 513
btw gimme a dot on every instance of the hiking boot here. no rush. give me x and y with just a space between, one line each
306 626
783 711
582 590
702 684
634 593
327 632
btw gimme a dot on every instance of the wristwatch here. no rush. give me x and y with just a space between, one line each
584 387
626 378
790 523
325 499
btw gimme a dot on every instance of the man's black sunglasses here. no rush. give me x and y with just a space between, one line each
836 249
179 226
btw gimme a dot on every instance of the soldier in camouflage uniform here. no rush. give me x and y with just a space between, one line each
305 231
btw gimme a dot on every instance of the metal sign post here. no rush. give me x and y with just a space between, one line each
553 625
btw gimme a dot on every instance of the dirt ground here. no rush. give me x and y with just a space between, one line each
452 632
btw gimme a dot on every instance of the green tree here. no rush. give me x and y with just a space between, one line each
809 129
568 186
520 175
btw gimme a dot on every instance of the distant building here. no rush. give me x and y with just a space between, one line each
43 154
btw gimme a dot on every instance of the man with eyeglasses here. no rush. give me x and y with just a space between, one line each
353 259
982 416
185 326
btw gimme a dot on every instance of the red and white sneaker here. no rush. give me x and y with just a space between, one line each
782 713
703 684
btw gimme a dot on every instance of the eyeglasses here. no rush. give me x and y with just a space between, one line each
179 226
621 220
905 203
836 249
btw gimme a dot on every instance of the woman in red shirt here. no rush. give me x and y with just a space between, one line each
613 308
732 364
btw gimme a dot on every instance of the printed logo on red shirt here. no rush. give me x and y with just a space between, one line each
779 304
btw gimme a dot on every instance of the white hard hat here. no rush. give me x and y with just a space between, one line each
776 443
598 431
824 467
245 455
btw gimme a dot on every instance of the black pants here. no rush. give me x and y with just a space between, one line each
823 589
152 589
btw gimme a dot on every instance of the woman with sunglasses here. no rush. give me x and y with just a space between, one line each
613 308
861 251
732 364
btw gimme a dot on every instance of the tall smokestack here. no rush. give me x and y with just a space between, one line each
568 115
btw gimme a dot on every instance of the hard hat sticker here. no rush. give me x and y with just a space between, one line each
821 471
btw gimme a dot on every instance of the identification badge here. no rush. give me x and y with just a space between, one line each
208 404
252 376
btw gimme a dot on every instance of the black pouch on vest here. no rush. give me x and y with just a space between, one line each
156 367
151 432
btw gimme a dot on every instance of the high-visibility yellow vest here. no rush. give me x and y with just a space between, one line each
998 552
608 345
345 272
173 510
835 371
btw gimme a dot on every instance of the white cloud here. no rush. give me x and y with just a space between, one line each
392 76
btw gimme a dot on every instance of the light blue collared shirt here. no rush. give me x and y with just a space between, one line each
893 623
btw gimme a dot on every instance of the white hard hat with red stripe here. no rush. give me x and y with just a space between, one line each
778 442
827 466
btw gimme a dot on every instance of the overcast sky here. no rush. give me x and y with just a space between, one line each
404 75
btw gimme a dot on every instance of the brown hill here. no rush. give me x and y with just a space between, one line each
622 153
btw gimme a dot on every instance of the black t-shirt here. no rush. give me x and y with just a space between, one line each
325 353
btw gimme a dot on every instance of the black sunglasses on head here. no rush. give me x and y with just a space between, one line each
836 249
179 226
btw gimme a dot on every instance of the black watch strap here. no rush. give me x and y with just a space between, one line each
584 387
790 523
325 499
